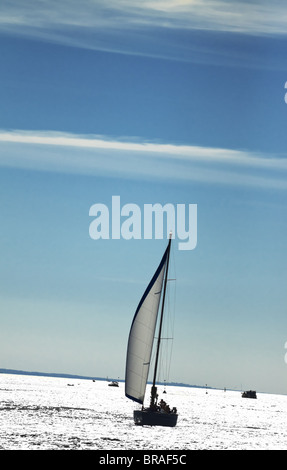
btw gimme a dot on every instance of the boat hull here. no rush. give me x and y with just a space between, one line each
154 418
249 394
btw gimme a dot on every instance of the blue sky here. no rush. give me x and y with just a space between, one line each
177 102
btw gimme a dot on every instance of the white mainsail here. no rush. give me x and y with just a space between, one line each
142 335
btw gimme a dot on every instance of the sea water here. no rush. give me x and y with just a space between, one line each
42 413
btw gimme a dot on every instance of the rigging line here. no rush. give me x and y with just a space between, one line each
170 318
168 337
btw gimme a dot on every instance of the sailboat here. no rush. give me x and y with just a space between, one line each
140 345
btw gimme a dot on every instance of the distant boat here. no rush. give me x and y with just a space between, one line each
249 394
114 383
140 344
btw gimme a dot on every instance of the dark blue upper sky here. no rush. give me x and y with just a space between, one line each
233 99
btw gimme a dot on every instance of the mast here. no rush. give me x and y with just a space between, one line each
154 389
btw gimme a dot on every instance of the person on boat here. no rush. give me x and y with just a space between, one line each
164 406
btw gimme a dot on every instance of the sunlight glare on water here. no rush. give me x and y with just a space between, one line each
40 413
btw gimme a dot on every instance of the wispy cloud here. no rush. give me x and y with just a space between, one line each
98 155
153 28
262 17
